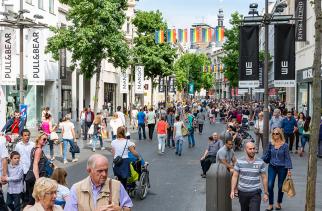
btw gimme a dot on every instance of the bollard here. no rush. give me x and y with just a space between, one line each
218 185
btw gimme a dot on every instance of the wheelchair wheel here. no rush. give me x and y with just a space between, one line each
143 185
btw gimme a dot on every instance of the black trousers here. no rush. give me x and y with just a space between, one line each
87 126
29 189
170 137
289 139
206 163
200 128
250 201
297 140
13 201
151 129
3 206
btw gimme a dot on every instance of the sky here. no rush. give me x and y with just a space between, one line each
184 13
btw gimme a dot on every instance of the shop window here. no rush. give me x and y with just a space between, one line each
41 4
51 6
28 1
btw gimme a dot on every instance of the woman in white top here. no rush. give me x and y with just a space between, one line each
63 192
115 123
121 147
259 124
68 136
177 135
151 118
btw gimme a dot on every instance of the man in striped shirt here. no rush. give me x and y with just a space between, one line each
248 171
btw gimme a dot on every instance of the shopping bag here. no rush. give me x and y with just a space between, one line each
91 130
185 131
288 187
104 134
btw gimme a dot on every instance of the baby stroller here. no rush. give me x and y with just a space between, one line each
245 137
245 123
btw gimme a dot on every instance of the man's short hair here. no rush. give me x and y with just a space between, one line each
25 131
118 108
91 162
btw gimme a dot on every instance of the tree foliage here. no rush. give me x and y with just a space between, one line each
231 48
188 68
157 58
95 34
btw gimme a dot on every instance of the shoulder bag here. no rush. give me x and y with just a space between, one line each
256 129
119 160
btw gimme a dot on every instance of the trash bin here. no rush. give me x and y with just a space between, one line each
218 185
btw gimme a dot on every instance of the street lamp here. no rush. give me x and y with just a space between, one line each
266 20
17 20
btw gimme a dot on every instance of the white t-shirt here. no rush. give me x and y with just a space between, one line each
119 144
62 192
67 130
115 123
25 151
3 154
121 116
178 126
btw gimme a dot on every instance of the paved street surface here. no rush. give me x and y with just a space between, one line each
176 184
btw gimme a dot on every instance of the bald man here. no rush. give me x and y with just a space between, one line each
94 192
248 171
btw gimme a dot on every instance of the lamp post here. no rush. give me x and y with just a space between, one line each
266 20
13 20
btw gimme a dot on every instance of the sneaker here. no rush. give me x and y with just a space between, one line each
179 154
176 153
93 150
65 161
102 148
75 160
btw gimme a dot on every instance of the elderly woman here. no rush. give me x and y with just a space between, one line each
45 192
121 147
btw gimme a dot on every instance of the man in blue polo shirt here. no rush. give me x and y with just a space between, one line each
289 126
141 123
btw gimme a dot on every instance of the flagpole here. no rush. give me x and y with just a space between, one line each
21 55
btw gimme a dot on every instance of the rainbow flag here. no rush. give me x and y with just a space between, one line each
209 33
185 35
192 32
198 34
204 35
212 68
220 33
171 36
182 35
174 36
218 68
159 37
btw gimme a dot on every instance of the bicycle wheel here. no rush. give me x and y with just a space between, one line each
143 186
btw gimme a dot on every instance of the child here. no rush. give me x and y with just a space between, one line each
15 182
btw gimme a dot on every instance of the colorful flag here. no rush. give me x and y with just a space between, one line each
204 35
192 35
174 36
159 37
222 33
209 32
198 34
169 35
185 36
217 34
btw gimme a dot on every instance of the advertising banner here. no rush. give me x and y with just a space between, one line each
161 85
36 56
191 88
171 85
124 82
139 79
300 25
9 68
3 108
248 57
284 71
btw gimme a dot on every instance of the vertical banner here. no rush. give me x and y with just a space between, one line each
124 82
248 57
9 69
261 78
284 71
139 79
191 88
23 111
161 84
171 86
36 56
3 108
300 24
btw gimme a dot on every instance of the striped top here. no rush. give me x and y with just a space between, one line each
249 174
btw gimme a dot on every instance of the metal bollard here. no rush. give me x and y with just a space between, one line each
218 185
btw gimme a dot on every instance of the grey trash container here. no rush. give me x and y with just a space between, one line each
218 185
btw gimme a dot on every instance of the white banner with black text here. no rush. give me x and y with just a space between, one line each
139 79
124 82
9 67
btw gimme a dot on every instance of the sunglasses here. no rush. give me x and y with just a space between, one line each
45 139
276 133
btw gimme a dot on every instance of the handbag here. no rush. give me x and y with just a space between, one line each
53 136
91 130
49 168
74 148
119 160
184 131
288 187
256 129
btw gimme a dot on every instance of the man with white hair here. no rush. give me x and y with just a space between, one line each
97 192
276 120
249 171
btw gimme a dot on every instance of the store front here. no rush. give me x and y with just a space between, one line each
110 97
304 92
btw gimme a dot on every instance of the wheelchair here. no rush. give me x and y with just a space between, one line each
140 187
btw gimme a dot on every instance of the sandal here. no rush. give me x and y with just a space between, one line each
278 208
269 209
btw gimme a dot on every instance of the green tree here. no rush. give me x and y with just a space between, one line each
95 35
157 59
188 68
231 49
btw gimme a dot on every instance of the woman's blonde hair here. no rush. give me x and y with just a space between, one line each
40 135
59 175
42 186
281 134
97 119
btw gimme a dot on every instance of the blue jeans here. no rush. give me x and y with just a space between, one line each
179 143
71 142
142 126
274 171
191 137
304 139
94 140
